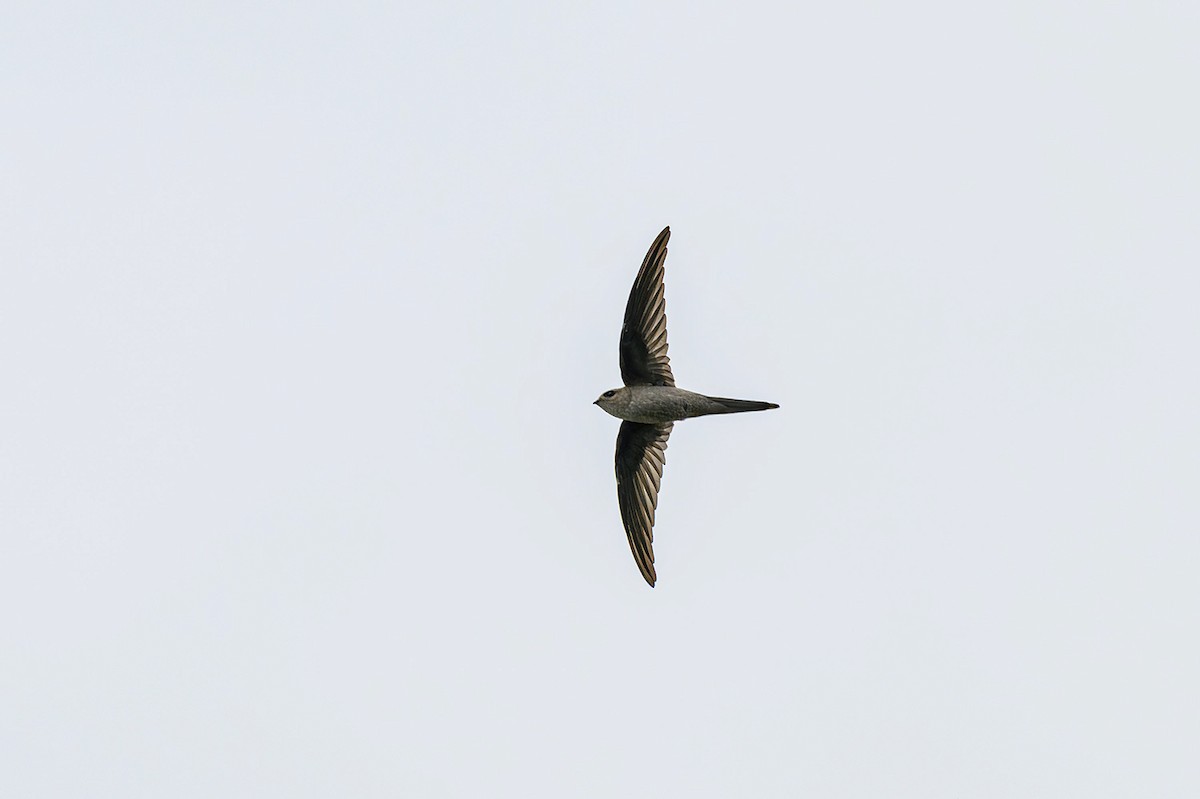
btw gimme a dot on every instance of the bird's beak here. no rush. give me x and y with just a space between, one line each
597 402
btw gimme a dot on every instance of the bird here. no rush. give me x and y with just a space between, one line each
649 404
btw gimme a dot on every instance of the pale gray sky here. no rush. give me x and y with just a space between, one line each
304 307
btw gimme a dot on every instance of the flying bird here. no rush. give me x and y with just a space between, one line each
649 404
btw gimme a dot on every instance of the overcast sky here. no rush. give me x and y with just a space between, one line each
303 308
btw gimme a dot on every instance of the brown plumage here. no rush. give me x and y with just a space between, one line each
649 404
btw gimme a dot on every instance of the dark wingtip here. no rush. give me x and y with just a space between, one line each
648 573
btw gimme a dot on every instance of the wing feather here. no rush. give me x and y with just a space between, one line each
641 455
644 360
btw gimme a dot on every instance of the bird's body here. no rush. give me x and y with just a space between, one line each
649 404
660 404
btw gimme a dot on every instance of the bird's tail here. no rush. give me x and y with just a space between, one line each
725 405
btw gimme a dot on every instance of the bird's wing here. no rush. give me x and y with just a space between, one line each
640 458
644 360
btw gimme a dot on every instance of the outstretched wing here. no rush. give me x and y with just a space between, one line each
644 360
640 458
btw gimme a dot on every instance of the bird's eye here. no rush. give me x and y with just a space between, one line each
609 393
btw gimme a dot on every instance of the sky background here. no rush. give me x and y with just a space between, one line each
303 308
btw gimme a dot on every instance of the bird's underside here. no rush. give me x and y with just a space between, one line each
649 404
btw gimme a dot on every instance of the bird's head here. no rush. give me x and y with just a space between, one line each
613 399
